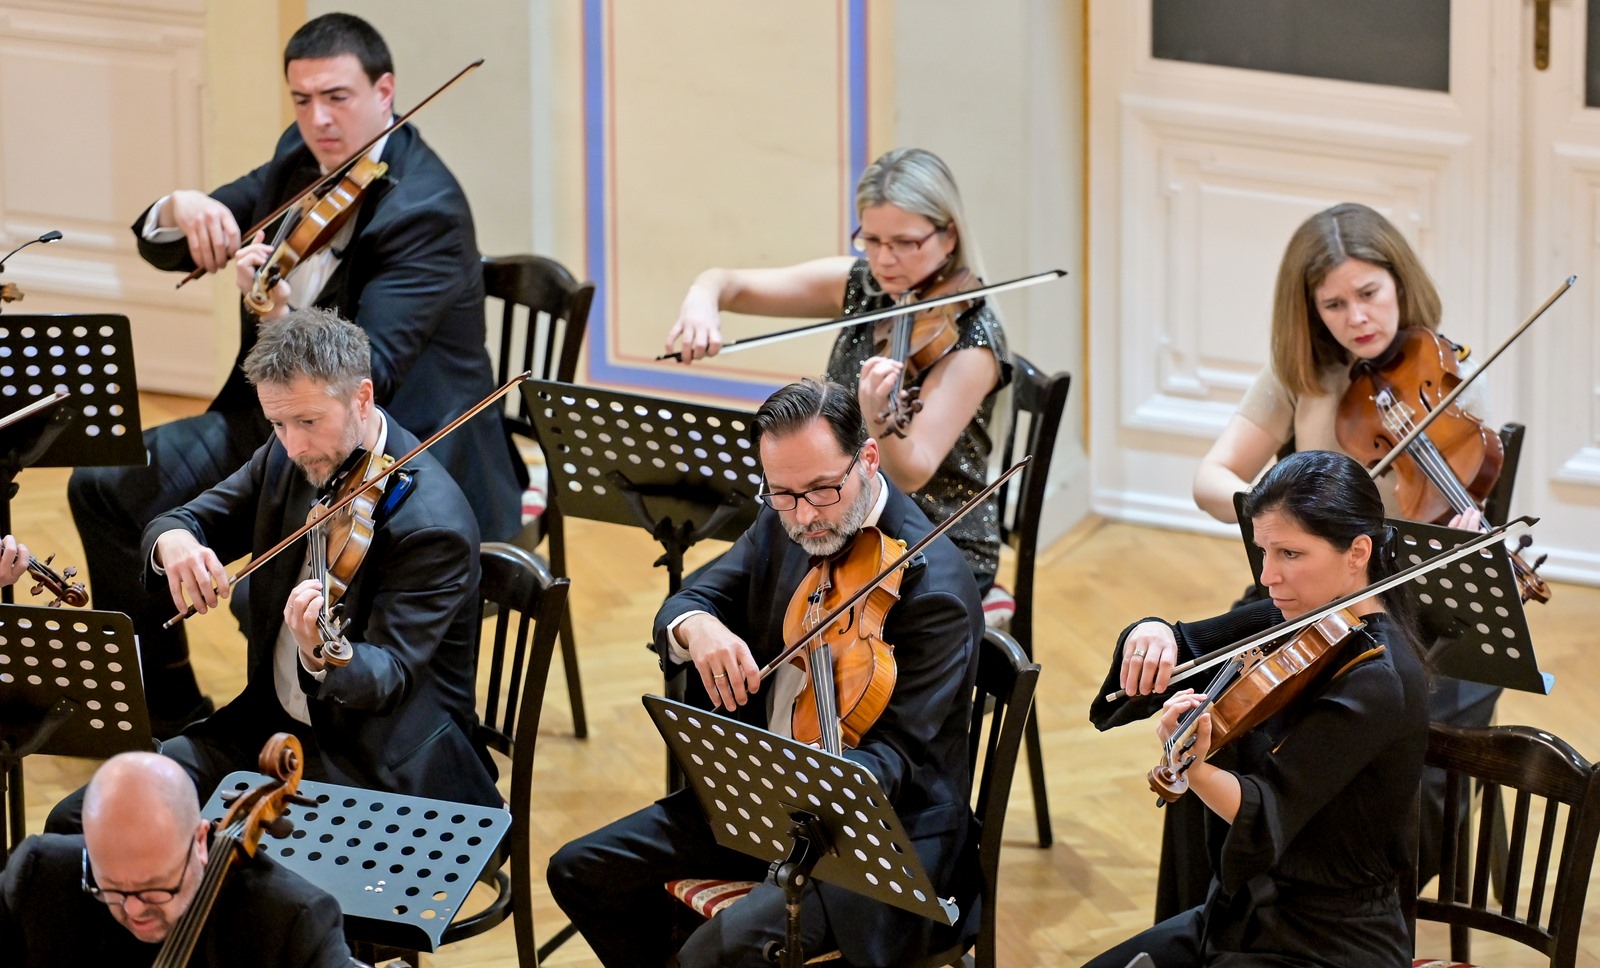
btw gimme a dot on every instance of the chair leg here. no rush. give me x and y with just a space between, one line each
1041 800
569 665
569 642
561 937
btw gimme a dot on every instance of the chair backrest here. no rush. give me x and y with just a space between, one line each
542 323
1037 403
525 602
1497 506
1543 882
1006 681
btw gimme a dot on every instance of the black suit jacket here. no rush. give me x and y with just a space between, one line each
410 277
266 916
917 750
400 716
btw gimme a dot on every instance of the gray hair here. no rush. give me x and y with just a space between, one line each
313 343
917 181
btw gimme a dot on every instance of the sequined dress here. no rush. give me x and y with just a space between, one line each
964 471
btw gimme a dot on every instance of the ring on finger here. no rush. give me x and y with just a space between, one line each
719 675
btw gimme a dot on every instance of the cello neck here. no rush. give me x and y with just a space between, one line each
185 934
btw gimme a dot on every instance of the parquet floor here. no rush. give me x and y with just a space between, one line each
1058 906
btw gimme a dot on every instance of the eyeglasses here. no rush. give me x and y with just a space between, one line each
898 248
152 896
817 497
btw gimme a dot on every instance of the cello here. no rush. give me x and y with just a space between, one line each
250 814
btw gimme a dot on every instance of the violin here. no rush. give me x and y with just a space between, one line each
338 174
1380 408
309 227
851 668
263 808
61 585
345 500
919 340
339 544
1251 688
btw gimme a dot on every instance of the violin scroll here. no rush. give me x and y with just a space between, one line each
61 585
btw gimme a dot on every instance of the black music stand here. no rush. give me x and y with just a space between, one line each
807 813
682 471
73 377
1472 607
69 686
399 866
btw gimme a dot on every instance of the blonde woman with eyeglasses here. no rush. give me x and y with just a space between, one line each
913 235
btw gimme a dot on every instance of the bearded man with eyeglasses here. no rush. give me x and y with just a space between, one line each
112 895
822 487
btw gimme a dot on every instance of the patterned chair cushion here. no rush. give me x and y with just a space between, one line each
998 607
705 896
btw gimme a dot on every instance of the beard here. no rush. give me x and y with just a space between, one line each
320 469
838 535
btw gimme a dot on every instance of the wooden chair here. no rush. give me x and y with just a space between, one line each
1002 699
544 315
1553 788
1037 404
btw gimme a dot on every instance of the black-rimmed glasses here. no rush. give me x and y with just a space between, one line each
817 497
151 896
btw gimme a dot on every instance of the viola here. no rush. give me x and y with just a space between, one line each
869 691
851 668
309 227
339 544
261 809
61 585
919 340
1451 466
1251 688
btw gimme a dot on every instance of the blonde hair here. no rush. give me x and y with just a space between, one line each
917 181
1301 344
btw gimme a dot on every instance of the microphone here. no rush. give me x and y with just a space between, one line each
49 236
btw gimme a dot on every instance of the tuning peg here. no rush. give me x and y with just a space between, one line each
1539 562
51 557
280 827
302 801
70 571
1523 541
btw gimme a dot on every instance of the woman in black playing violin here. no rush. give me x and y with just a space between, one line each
913 237
1315 810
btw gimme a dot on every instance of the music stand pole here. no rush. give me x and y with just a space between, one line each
69 686
683 472
840 827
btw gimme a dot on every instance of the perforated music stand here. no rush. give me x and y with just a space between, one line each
399 866
807 813
682 471
1472 606
69 686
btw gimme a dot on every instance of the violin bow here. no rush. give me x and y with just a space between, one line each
339 170
893 566
1198 665
1449 398
300 532
966 295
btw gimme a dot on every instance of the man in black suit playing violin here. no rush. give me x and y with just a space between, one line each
404 268
823 487
399 716
113 894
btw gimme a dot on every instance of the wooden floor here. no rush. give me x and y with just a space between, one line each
1057 906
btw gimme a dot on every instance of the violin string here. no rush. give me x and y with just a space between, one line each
1428 457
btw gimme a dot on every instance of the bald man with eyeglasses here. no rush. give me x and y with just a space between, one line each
112 895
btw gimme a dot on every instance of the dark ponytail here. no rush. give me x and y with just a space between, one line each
1331 496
